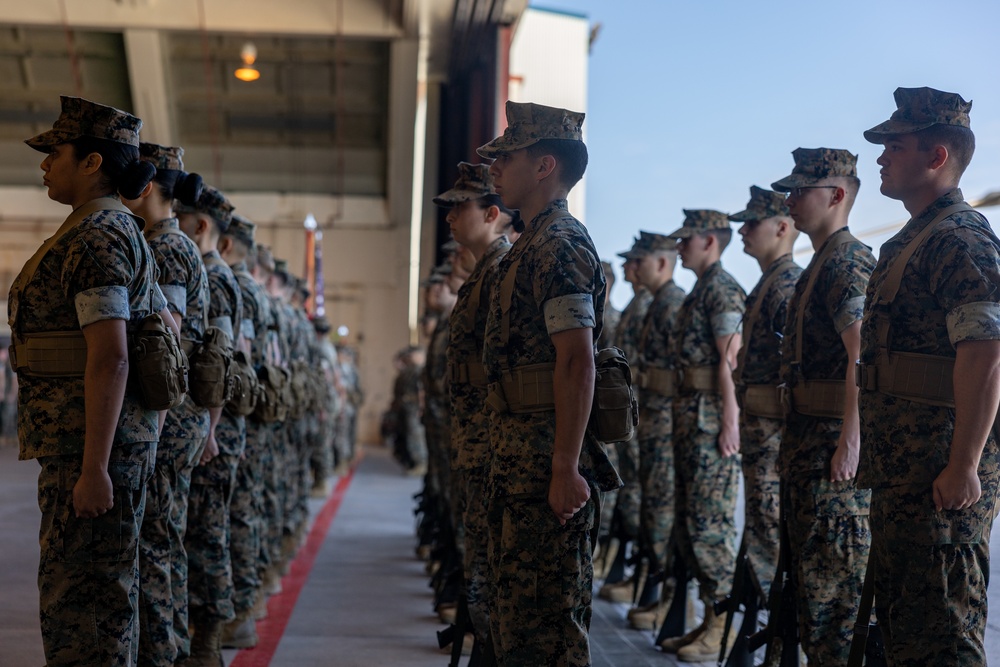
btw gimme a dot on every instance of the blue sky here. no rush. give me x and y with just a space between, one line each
693 102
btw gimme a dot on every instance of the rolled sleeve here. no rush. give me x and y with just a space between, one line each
573 311
247 329
851 311
725 324
225 323
176 296
102 303
974 321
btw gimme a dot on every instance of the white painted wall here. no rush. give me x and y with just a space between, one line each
549 63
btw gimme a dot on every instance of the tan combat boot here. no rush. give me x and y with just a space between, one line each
649 618
605 558
674 644
707 647
206 645
621 591
241 632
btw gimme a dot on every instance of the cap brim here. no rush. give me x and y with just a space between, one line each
46 140
632 254
877 134
453 196
683 233
792 181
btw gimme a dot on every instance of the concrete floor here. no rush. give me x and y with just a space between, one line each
365 601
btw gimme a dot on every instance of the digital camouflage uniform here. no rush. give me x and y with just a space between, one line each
759 363
625 502
542 570
827 521
209 530
163 561
707 482
284 457
300 443
657 352
100 269
246 509
931 568
470 438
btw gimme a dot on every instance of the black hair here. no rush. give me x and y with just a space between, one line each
724 236
960 142
179 185
515 217
121 167
570 154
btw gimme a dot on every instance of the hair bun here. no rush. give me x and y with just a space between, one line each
134 178
188 188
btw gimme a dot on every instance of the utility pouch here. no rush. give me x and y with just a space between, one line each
246 388
273 403
211 373
157 365
615 412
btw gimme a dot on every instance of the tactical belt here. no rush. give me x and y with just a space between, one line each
762 400
50 354
699 378
922 378
815 398
474 374
524 389
660 381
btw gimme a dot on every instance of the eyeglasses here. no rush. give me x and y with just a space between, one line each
799 191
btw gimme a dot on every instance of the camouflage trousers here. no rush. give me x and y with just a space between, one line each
628 498
760 438
830 539
438 439
275 490
210 569
931 573
245 520
707 488
319 451
163 561
475 505
88 570
297 477
656 479
543 577
415 438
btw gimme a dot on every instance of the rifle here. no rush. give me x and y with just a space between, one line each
867 646
746 592
781 635
673 623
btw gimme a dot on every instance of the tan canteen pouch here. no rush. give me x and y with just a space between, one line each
211 374
246 388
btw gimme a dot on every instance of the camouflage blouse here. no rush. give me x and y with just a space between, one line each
949 293
761 355
101 269
469 423
713 309
559 286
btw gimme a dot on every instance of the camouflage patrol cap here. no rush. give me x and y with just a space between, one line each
450 246
635 252
321 325
653 242
920 108
281 266
474 182
438 274
302 287
83 118
814 164
529 123
212 203
763 204
164 158
699 221
242 230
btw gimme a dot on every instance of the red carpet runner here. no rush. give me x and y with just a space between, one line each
279 607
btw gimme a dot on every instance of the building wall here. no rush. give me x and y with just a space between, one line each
549 61
366 240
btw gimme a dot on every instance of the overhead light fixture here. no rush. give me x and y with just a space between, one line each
249 56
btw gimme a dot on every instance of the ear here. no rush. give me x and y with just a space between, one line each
92 163
838 196
939 157
146 190
492 213
225 244
546 165
203 224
